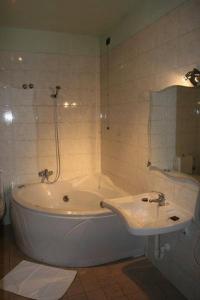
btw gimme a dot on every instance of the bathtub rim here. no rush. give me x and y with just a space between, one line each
55 212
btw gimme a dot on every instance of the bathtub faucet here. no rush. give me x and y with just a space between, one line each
44 174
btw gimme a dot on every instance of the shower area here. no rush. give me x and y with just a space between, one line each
27 113
50 132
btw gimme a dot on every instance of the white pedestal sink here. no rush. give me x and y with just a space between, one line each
145 218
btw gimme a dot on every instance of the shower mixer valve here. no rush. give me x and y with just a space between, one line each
45 174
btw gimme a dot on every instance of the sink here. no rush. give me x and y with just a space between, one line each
145 218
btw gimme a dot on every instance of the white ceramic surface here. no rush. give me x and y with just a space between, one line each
147 218
75 233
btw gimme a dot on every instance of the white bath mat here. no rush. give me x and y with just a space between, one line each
37 281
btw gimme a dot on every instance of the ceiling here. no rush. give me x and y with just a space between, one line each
92 17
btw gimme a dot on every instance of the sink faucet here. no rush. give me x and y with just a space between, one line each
44 174
160 200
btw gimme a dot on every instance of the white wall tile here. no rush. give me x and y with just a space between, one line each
31 134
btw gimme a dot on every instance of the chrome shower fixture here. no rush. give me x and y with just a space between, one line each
27 86
55 93
45 174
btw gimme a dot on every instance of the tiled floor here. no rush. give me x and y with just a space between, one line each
131 279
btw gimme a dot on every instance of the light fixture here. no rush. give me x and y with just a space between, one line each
194 77
8 117
66 104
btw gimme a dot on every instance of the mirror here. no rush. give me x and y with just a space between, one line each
174 130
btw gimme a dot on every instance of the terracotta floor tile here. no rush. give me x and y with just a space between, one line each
121 298
107 281
5 295
139 296
90 284
130 288
76 297
96 295
113 291
75 288
10 296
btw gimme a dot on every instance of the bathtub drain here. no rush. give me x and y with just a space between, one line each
65 198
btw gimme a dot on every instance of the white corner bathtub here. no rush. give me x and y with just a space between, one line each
72 233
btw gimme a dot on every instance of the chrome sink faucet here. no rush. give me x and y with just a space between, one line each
160 200
45 174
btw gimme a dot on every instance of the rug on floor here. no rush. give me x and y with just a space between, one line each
36 281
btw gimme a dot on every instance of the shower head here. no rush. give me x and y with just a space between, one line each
55 93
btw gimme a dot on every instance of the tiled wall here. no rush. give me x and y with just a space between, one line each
27 139
153 59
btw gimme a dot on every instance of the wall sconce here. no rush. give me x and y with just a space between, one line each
67 104
8 117
194 77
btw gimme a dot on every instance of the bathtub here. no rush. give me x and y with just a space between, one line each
63 224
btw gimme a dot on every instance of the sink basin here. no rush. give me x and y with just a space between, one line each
145 218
